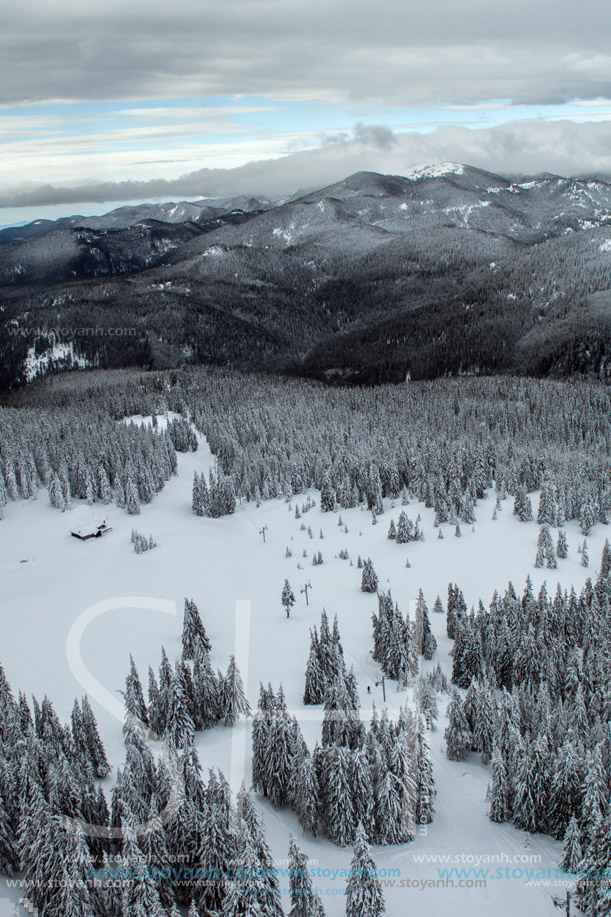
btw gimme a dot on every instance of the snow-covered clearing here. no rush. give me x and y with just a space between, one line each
49 578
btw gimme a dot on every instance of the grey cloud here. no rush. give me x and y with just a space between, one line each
341 50
379 136
376 136
526 147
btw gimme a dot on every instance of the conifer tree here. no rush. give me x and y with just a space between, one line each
390 811
9 856
315 678
403 533
139 893
95 747
304 901
234 700
571 847
363 791
56 493
268 892
306 793
327 495
458 736
218 850
546 514
522 506
605 561
484 721
438 606
133 696
499 792
369 580
180 730
288 598
207 690
531 801
425 779
339 809
194 635
427 703
565 793
364 896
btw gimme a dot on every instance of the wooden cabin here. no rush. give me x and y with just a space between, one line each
96 533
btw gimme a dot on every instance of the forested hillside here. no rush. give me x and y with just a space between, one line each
371 279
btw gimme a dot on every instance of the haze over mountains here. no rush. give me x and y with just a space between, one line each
448 269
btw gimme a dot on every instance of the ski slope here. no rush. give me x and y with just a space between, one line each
49 579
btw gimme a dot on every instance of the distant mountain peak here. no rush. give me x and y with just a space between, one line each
435 170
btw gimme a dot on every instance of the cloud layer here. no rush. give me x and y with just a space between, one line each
528 147
209 84
336 50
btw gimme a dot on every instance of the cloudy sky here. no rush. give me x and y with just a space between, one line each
125 100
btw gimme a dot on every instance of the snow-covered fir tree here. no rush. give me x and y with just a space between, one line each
364 897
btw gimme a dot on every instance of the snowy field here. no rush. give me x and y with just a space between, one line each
49 579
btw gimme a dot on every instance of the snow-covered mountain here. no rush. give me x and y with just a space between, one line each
446 269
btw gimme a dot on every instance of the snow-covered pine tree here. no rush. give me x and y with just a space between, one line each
327 495
206 687
458 736
546 513
56 493
268 893
288 598
154 845
306 793
339 809
522 506
140 895
363 791
499 791
233 702
180 730
133 696
364 896
404 529
95 746
219 849
532 783
315 678
193 632
369 579
571 847
427 702
389 810
566 788
484 721
424 779
585 560
587 514
304 901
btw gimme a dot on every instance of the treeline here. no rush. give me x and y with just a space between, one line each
444 443
538 705
380 778
58 830
82 453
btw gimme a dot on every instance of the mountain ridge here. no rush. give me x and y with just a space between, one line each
446 269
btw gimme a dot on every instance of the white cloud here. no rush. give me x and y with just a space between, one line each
526 147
